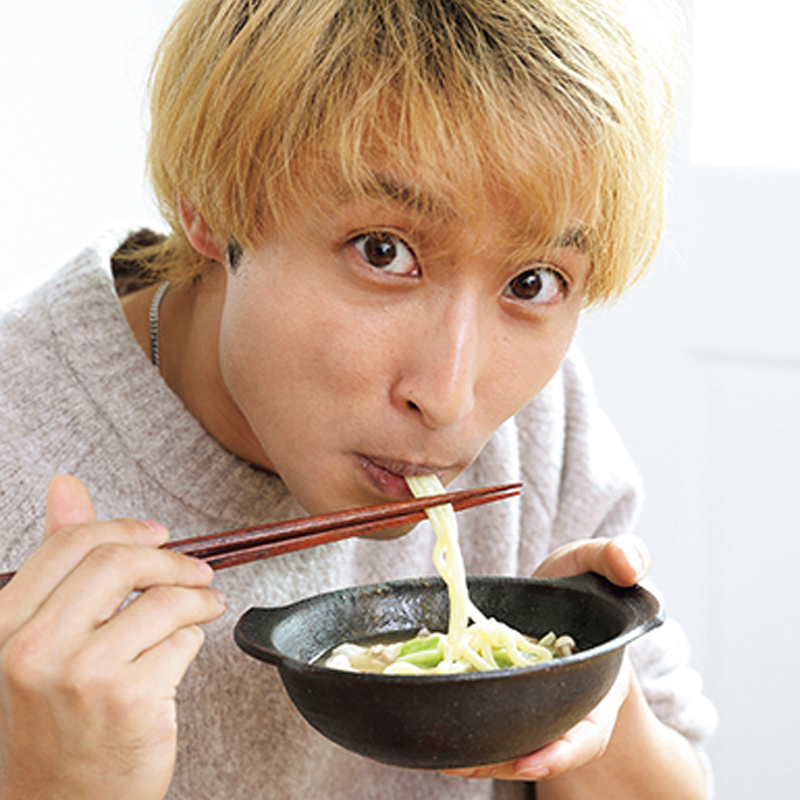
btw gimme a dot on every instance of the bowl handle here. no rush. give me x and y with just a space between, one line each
254 630
644 609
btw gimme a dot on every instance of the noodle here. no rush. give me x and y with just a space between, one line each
473 641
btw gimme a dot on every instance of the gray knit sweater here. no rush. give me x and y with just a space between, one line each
78 395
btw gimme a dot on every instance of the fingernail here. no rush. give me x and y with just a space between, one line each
633 554
219 596
203 566
535 772
161 533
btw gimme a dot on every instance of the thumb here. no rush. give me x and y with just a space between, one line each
624 560
68 503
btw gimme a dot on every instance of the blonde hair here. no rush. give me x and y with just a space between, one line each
262 107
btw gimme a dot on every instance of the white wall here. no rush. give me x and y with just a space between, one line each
699 367
72 122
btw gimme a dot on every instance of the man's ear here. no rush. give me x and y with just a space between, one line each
200 236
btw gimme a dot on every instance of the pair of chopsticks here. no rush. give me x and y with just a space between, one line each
244 545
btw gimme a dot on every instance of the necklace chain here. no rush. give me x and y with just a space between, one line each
155 308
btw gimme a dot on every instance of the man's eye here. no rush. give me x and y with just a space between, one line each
538 285
386 252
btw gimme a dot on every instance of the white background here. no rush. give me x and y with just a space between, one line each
699 367
73 117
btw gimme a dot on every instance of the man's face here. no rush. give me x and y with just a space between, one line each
375 345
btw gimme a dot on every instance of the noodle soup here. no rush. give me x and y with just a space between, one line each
473 642
428 653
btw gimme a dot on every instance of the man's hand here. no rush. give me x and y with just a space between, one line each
623 560
97 629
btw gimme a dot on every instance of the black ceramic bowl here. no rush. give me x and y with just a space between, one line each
451 721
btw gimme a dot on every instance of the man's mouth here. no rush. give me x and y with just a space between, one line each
388 475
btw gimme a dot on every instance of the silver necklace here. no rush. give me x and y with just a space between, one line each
155 307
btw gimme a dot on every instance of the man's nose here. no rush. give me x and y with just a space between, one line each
439 375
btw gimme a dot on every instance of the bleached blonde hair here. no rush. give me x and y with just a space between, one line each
263 107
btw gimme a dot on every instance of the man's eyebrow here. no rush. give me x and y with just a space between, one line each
579 238
408 197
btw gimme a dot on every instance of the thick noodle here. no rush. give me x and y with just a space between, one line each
473 641
468 646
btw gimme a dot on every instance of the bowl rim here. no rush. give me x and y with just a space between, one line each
645 607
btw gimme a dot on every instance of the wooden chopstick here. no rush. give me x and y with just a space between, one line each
244 545
411 512
379 515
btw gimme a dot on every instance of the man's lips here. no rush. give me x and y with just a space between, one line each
405 468
389 475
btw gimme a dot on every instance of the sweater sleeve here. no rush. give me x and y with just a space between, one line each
598 494
600 491
674 690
